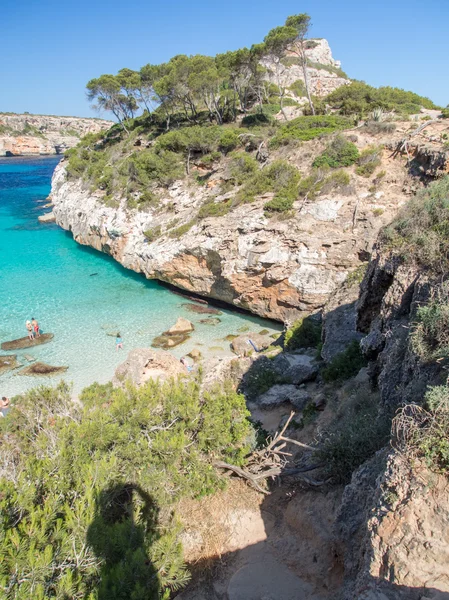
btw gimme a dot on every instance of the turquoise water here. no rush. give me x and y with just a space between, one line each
45 274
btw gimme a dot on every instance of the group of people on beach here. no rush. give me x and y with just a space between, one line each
33 329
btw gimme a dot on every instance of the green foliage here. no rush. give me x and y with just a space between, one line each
319 181
356 276
339 153
242 166
304 333
445 113
420 232
180 231
329 68
345 365
368 161
82 486
362 433
152 234
279 177
308 128
214 209
358 98
430 332
298 87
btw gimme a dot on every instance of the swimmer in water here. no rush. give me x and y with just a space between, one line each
118 342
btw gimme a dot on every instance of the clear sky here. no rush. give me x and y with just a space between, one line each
51 48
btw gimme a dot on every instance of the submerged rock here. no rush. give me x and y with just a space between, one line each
143 364
8 363
195 354
200 309
181 326
167 341
211 321
40 369
25 342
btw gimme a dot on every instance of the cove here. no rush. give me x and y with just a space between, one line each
80 295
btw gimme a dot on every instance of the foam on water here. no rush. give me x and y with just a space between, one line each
45 274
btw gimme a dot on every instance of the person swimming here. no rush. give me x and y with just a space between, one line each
29 330
35 326
118 342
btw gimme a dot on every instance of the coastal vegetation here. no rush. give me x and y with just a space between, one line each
86 489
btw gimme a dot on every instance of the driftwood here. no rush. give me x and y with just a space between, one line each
402 145
271 462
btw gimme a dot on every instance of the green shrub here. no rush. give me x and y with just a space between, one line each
339 153
256 119
282 202
445 113
308 128
368 161
152 234
214 209
361 434
430 332
330 68
229 140
298 88
279 177
420 232
304 333
87 490
379 127
242 166
319 181
345 365
358 98
180 231
209 159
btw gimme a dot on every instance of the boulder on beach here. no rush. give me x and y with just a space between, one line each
25 342
181 326
281 393
167 341
195 354
242 345
8 363
200 309
40 369
143 364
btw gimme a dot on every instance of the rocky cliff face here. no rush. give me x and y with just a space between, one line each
274 267
29 135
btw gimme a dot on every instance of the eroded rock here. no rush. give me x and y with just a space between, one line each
242 345
8 363
180 327
143 364
40 369
281 393
295 368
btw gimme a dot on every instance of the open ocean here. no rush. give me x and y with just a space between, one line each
45 274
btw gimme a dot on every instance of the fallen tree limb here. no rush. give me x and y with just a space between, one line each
403 144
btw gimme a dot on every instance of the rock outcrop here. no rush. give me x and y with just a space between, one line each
34 135
275 268
143 364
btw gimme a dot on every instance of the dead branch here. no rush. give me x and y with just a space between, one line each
403 144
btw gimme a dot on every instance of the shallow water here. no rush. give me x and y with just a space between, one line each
45 274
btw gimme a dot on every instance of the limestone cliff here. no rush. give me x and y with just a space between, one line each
29 135
275 267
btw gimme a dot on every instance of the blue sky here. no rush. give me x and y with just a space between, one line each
51 48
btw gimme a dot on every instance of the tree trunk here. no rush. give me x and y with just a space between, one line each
306 76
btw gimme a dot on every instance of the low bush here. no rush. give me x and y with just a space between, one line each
361 434
320 181
430 332
152 234
330 68
304 333
280 177
87 490
379 127
368 161
345 365
339 153
420 232
445 113
360 99
242 166
180 231
214 209
308 128
298 88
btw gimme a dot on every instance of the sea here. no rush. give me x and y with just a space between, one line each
80 295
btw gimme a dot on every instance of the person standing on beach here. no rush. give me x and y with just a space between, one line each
29 330
35 325
4 405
